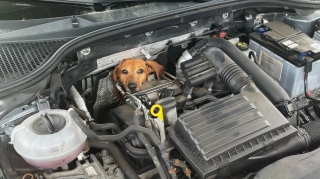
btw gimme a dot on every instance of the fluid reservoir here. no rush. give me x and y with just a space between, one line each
48 139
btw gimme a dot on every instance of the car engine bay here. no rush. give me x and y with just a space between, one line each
239 99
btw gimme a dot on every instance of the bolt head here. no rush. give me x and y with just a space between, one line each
193 23
85 51
149 33
225 15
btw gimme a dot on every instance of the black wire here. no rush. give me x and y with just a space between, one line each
305 81
306 91
251 54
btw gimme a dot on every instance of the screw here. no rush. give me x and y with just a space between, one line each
117 172
193 23
85 51
149 33
225 15
184 45
104 152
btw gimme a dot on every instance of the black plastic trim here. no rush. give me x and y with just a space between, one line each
145 24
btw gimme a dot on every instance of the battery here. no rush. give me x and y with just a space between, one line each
289 76
281 51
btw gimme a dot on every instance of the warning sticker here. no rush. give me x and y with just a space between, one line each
293 45
90 172
270 65
316 46
288 42
315 50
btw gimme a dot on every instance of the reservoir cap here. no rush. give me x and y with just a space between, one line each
243 46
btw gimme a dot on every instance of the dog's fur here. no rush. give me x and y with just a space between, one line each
131 73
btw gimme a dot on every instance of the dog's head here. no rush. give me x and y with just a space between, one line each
131 73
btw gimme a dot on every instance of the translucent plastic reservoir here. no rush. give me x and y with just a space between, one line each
48 139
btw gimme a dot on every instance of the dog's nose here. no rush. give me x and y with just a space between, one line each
132 86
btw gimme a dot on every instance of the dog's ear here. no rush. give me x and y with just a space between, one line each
156 68
115 75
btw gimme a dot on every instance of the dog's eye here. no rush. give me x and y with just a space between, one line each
124 71
140 71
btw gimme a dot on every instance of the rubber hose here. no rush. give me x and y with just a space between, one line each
228 71
131 150
103 138
136 151
82 114
307 138
128 171
138 156
105 126
148 146
251 54
263 81
313 129
115 127
294 145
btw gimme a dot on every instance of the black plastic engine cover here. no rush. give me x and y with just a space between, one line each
218 138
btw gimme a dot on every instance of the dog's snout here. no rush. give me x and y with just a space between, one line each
132 86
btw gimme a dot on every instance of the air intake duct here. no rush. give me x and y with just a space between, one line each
273 91
211 63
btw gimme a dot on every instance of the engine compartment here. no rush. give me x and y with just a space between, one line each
231 102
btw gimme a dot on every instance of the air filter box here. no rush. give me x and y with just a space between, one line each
219 138
281 50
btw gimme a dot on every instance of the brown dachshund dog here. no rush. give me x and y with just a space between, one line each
131 73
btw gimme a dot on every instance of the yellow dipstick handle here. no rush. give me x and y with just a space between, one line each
159 114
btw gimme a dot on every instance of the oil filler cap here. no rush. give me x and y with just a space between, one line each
243 46
48 124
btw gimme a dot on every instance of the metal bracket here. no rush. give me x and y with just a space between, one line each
208 85
74 21
43 104
82 157
145 52
188 91
71 76
14 117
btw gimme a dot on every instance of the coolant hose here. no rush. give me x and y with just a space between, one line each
131 150
107 138
149 148
135 151
105 126
128 171
103 138
263 81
